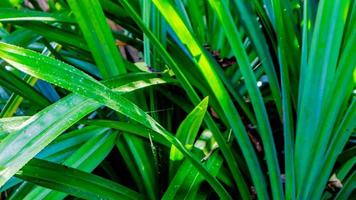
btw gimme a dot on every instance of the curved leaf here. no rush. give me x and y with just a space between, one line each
74 182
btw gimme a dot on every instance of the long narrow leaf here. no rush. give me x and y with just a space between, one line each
189 128
75 182
92 21
8 14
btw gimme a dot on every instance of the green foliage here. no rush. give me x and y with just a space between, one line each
260 95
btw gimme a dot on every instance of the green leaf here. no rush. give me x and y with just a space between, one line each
74 182
96 31
196 13
188 129
9 14
129 82
56 34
